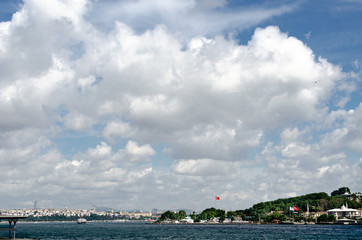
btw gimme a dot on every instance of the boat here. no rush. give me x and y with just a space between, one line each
82 221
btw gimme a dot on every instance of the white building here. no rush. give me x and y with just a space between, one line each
344 212
353 196
187 220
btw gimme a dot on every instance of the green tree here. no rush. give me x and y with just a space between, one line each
182 214
331 218
193 216
230 214
276 215
222 218
322 218
323 203
341 191
168 215
335 202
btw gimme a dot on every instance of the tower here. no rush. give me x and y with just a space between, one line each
307 209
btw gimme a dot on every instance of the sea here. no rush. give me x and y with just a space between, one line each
139 230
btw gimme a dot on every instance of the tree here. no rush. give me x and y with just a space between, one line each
193 216
168 214
341 191
323 203
331 218
322 218
182 214
276 215
335 202
222 218
230 214
310 219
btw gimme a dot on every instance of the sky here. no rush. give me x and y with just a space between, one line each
166 104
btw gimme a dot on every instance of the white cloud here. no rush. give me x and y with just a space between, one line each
205 167
347 132
78 121
294 149
198 18
85 111
101 151
132 148
117 129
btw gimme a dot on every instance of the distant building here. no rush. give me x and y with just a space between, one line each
314 215
344 212
353 196
155 211
187 220
137 215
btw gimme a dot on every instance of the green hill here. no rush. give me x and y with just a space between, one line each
315 201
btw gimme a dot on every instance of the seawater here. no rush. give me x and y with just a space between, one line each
119 230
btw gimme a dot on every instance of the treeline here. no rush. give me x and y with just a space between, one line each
207 214
316 202
173 215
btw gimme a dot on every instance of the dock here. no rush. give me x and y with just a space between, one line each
21 238
12 219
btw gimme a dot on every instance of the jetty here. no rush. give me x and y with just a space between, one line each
12 219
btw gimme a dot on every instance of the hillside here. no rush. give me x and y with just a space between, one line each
316 201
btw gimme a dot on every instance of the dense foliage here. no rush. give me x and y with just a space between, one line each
173 215
340 191
324 218
207 214
315 201
210 213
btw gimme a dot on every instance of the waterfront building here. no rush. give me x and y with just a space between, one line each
314 215
227 220
344 212
187 220
137 215
239 220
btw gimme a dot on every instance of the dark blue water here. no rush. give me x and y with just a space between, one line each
114 230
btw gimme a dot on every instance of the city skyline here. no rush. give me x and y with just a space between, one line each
169 104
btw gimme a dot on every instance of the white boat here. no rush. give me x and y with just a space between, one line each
82 221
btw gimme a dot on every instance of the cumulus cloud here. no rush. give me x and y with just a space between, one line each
102 108
117 129
198 17
202 167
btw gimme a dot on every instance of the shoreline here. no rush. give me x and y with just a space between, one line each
198 223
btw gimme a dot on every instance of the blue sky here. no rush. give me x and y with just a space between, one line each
153 104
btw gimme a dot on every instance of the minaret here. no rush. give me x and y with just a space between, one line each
307 209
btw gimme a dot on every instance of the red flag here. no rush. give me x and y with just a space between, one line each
295 208
217 198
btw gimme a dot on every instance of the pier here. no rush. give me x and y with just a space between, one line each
12 219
